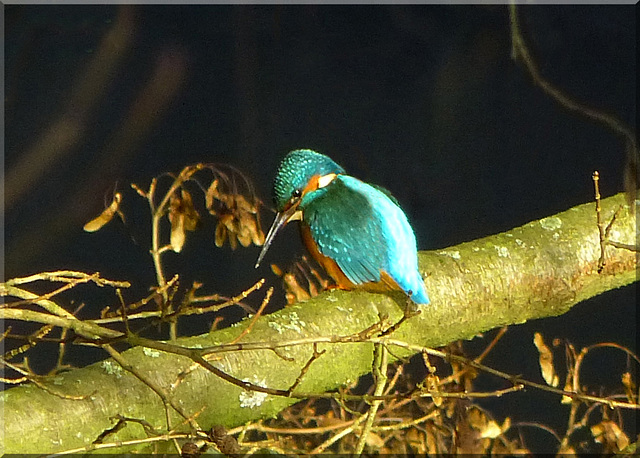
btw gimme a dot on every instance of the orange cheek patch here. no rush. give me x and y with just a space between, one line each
312 184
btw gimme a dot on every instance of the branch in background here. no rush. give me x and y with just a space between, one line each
520 51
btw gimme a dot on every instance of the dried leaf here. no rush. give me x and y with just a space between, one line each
567 387
233 241
221 234
250 228
324 283
546 361
609 433
177 232
229 222
191 215
432 385
629 387
238 214
491 430
211 195
244 234
476 418
374 441
243 205
313 289
291 285
107 215
506 425
183 217
432 442
566 450
258 236
470 437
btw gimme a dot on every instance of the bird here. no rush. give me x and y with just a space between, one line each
355 230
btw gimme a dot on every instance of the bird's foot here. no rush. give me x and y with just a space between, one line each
411 309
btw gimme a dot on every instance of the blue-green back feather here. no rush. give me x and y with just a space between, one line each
364 231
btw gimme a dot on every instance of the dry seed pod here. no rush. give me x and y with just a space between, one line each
106 215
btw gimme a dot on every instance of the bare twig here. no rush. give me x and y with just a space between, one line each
519 50
39 380
316 354
32 342
68 276
380 376
214 308
596 186
265 301
332 440
604 232
86 329
161 392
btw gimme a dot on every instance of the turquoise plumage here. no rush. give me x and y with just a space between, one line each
355 230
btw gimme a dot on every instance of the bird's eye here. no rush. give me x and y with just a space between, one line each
296 193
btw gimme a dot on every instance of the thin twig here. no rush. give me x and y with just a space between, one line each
380 361
519 50
85 329
214 308
161 392
265 301
119 444
38 381
477 359
316 354
601 232
332 440
68 276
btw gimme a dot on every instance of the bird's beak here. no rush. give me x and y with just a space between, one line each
282 218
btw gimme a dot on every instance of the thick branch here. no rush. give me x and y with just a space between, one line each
540 269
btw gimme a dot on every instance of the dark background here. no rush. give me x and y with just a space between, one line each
424 100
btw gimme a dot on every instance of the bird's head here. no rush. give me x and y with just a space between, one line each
300 172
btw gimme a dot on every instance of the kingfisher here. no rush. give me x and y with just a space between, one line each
356 231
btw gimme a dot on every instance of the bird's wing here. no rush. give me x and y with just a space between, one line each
348 229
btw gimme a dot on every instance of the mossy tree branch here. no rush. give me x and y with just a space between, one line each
537 270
